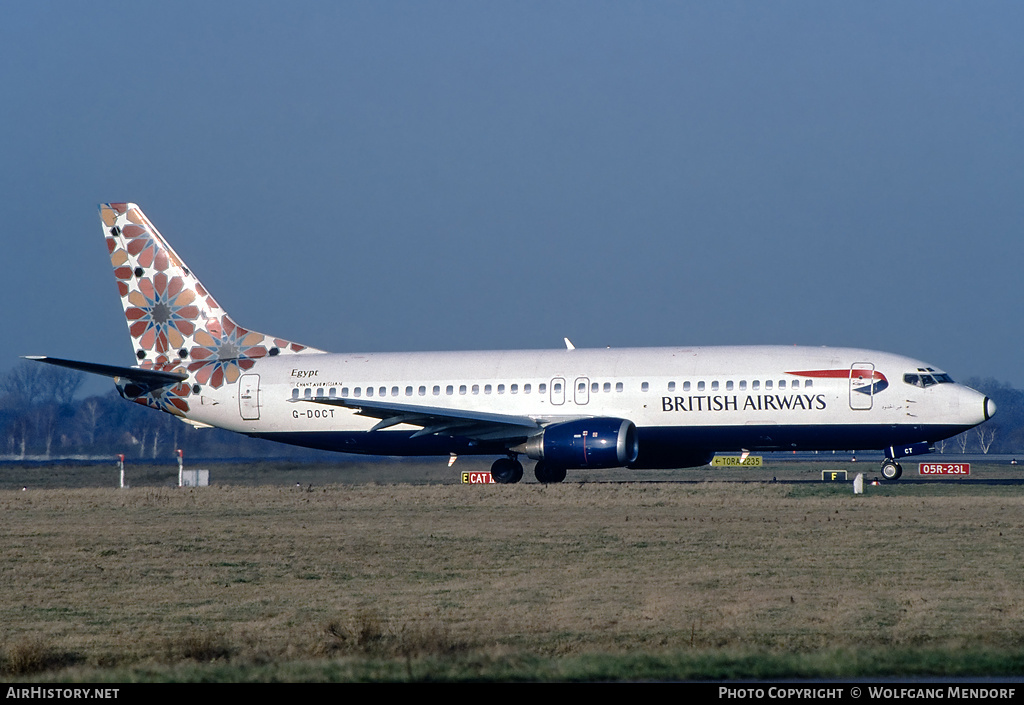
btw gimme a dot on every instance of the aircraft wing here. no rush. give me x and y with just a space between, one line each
478 425
154 379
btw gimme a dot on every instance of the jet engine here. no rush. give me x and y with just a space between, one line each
584 443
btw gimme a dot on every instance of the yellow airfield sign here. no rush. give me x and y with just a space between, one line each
732 461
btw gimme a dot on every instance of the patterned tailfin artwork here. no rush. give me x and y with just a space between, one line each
174 323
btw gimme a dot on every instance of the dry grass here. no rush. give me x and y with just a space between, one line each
268 574
32 654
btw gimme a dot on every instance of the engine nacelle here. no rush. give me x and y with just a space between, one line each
585 443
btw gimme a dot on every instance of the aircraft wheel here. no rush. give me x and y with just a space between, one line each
507 471
546 473
891 470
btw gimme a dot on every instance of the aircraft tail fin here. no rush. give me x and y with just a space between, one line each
174 323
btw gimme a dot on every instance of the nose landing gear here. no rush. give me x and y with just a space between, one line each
891 470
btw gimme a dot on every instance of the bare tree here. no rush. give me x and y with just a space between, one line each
88 418
62 384
986 434
17 434
156 439
39 396
24 384
45 417
961 441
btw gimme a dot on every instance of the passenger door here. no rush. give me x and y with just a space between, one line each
862 385
582 395
249 397
558 391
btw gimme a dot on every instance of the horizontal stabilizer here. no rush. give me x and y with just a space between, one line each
150 378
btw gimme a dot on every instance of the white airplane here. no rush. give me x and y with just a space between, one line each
566 409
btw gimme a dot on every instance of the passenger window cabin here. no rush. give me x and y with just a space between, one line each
920 378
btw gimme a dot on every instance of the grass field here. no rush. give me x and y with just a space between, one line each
584 580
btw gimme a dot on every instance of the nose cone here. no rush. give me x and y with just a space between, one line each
990 408
974 407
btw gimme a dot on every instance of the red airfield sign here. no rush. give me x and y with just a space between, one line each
945 469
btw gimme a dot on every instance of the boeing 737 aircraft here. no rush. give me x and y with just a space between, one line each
566 409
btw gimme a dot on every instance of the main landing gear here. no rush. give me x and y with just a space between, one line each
507 471
546 473
891 470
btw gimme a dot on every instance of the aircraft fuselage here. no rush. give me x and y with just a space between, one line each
707 398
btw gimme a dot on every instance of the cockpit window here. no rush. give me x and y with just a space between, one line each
924 379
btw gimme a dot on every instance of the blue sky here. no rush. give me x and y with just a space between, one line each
362 176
